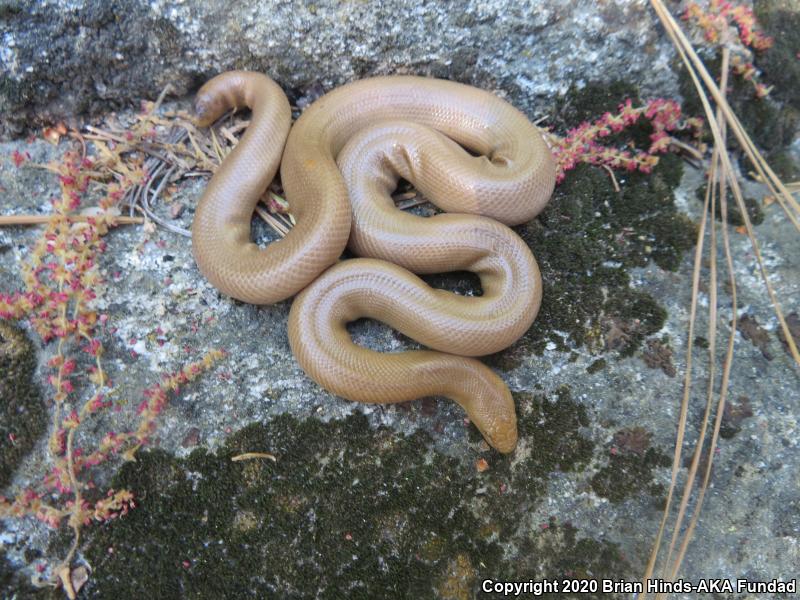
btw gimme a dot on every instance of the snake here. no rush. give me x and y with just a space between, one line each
470 152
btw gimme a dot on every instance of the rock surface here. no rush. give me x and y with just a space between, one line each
64 58
582 494
584 485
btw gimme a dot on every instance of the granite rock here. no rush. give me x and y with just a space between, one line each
65 58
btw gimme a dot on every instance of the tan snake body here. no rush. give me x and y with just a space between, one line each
379 130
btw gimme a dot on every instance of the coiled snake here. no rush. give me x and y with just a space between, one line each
350 148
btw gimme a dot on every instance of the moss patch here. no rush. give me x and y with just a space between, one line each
596 366
22 413
771 122
550 440
591 101
781 20
558 552
339 514
346 511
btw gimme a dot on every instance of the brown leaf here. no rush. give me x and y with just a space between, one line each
733 415
617 332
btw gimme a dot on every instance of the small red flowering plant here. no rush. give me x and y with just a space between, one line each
584 143
724 24
716 24
61 284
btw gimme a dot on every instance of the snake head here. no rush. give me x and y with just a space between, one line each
495 417
501 433
487 402
208 107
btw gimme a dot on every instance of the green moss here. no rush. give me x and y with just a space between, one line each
772 127
11 583
341 513
558 552
345 511
591 101
6 573
781 161
12 91
780 19
9 9
771 122
22 413
590 234
550 440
